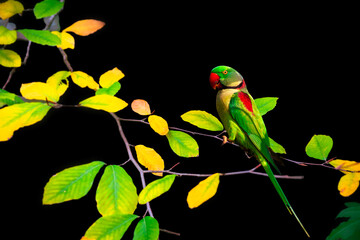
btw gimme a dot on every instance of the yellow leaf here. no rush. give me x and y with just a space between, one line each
85 27
202 192
20 115
141 107
346 165
150 159
10 8
9 58
39 91
348 184
104 102
67 41
59 82
110 77
84 80
350 181
158 124
7 36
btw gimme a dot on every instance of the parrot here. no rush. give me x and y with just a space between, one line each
243 123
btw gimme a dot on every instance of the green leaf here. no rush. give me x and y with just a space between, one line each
352 211
275 147
71 183
20 115
319 147
7 98
47 8
9 58
350 229
147 229
110 227
203 120
112 90
7 36
266 104
182 144
42 37
116 193
156 189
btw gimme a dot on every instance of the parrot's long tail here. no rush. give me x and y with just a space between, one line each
269 172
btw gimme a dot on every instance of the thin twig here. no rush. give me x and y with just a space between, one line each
324 164
27 53
9 77
66 60
251 171
170 232
184 130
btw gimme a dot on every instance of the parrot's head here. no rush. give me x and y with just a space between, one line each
225 77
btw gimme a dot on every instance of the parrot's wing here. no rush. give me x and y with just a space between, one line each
244 111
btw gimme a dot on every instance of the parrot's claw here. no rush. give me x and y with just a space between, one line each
225 140
247 154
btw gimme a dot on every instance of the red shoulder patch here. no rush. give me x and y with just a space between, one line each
245 99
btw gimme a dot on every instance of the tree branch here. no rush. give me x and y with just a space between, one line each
325 164
66 60
184 130
304 164
251 171
131 157
47 27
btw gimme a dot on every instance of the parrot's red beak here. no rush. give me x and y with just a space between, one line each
214 81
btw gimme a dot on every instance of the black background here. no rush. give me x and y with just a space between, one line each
305 54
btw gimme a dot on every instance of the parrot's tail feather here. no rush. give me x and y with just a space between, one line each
302 226
269 172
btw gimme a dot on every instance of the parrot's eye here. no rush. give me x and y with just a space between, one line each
225 72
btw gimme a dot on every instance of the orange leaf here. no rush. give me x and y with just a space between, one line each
141 107
86 238
348 184
85 27
346 165
350 181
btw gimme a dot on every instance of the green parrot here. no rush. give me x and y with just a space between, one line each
243 122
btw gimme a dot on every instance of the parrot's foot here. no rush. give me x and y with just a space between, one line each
226 140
